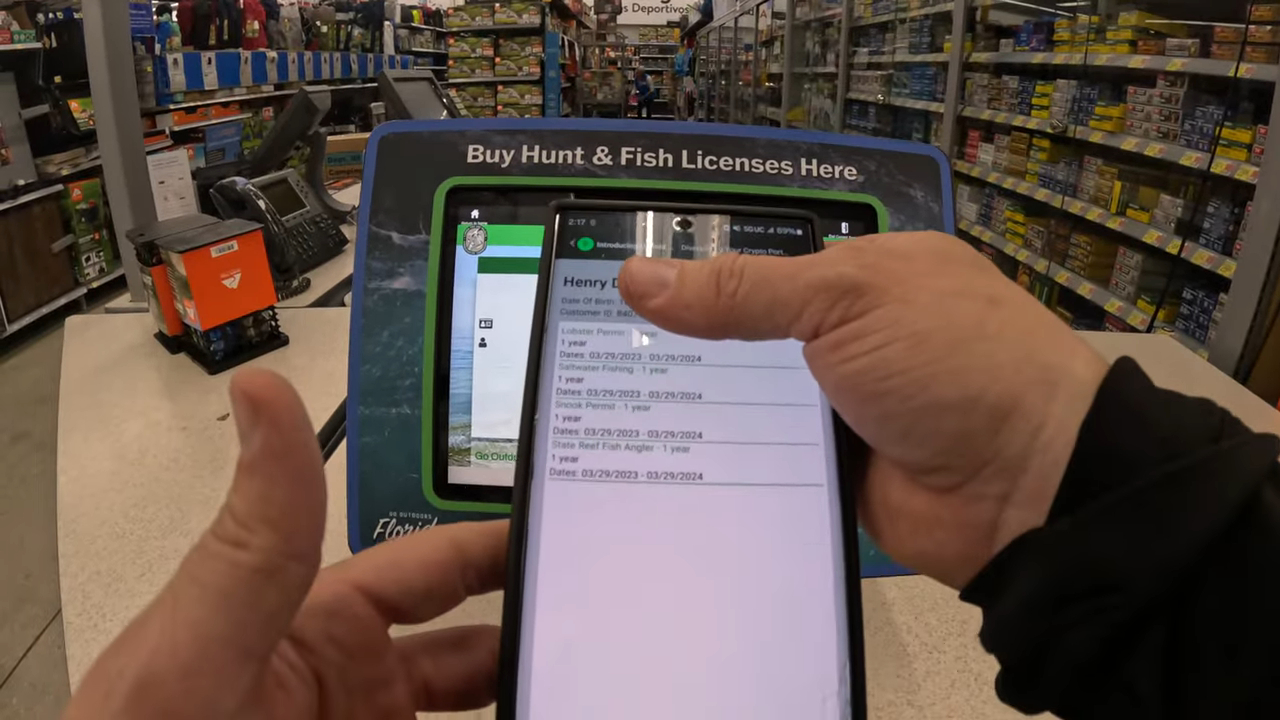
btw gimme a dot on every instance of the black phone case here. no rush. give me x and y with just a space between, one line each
851 462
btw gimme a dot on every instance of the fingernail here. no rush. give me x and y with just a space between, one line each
649 279
246 416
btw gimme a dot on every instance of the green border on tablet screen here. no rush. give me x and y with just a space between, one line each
490 181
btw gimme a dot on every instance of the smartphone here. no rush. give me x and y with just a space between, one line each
683 539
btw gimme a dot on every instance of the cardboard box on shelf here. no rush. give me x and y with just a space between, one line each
517 13
518 111
468 68
525 65
1265 13
85 209
469 46
1226 51
1263 54
1189 48
468 15
1228 33
519 94
474 95
518 45
1263 34
344 155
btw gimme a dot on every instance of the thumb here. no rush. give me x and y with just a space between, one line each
216 623
738 296
248 574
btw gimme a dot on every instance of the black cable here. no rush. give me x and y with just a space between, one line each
333 432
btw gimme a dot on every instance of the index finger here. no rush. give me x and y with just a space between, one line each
742 297
418 577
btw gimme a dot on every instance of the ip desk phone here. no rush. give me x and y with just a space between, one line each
300 236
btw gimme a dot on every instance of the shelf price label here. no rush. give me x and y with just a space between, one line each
1155 150
1042 194
1113 306
1097 136
1094 214
1062 277
1130 144
1228 269
1085 290
1022 256
1115 222
1246 70
1138 320
1203 258
1192 160
1221 166
1042 266
1247 173
1176 64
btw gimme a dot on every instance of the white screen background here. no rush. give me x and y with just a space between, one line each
688 599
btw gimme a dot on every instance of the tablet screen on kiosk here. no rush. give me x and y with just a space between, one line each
484 322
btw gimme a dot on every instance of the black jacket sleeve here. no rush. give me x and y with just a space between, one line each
1153 589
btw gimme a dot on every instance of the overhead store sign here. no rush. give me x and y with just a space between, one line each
652 12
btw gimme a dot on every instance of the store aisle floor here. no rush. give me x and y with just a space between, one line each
33 667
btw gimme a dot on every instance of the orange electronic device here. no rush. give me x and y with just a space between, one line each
219 273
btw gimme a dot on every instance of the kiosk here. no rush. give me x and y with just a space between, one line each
452 224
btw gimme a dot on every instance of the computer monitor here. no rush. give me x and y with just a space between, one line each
415 95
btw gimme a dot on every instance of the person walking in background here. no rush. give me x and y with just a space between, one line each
645 94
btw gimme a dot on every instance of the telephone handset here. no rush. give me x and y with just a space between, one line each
237 197
300 236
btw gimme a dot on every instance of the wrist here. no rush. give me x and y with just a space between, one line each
1073 390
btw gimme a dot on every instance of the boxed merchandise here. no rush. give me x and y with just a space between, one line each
1166 116
1139 18
1140 113
517 46
1263 34
86 212
1151 47
1164 221
517 13
1264 13
1168 98
344 155
467 46
480 95
1138 95
1178 47
1237 132
1226 51
1171 81
520 94
464 68
218 144
1114 125
1234 151
518 111
1265 54
1228 33
461 16
516 67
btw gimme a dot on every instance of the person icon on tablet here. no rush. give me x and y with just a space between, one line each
484 343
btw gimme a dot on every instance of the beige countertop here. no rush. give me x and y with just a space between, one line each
146 448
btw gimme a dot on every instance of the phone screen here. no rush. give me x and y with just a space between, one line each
684 546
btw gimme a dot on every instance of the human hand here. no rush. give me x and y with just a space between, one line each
247 629
969 392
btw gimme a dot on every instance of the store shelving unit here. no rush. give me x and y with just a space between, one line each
924 71
657 58
560 27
